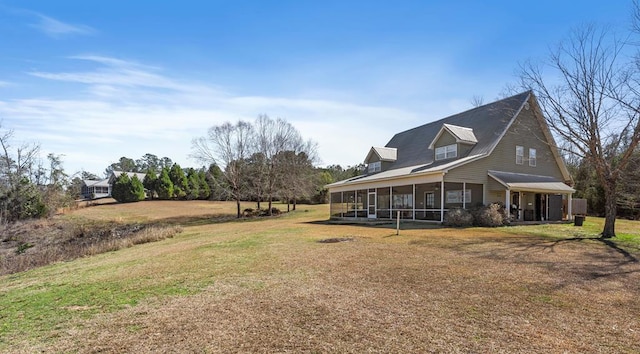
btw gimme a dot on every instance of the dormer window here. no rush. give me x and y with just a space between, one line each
447 152
377 155
375 166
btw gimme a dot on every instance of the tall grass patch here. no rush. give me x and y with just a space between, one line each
35 243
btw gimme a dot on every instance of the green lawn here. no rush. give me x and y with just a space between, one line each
627 232
266 285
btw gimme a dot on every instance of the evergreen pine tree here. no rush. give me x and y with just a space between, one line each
136 189
150 182
126 190
194 185
164 186
205 191
179 180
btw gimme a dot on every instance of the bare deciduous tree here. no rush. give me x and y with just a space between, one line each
228 146
589 100
253 158
19 196
272 137
477 101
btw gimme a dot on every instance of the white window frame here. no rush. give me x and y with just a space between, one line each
375 166
519 155
446 152
533 157
429 200
402 201
455 196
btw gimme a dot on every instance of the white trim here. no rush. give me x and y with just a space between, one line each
535 158
414 201
390 202
390 182
442 200
464 195
375 166
507 199
448 127
446 150
521 162
375 204
374 149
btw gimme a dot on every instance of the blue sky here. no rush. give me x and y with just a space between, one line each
94 81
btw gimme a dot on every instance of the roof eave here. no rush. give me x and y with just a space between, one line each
356 182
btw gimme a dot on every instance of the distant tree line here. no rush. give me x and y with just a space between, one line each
163 179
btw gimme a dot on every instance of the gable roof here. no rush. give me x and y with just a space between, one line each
96 182
462 134
383 153
116 174
488 124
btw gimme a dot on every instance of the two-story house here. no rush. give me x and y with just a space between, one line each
499 152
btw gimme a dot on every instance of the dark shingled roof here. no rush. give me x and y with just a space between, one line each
488 123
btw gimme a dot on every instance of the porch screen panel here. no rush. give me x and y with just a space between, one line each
452 195
361 203
402 201
383 203
476 194
427 201
349 202
336 205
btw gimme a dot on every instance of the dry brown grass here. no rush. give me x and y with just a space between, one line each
35 243
269 286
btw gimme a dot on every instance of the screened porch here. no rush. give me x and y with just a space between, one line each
422 202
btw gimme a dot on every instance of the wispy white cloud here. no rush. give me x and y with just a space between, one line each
4 84
57 29
115 72
132 109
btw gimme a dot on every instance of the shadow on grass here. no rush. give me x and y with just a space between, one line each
384 224
209 219
607 242
568 260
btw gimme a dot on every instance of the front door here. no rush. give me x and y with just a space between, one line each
371 209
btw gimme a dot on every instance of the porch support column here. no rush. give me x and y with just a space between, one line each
507 199
464 195
569 211
391 203
546 207
442 200
520 208
414 201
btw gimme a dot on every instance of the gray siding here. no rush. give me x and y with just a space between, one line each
464 149
444 140
384 165
525 131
